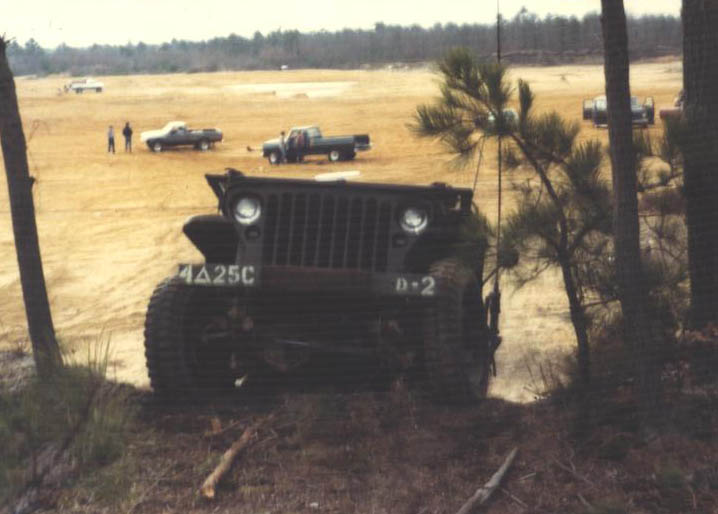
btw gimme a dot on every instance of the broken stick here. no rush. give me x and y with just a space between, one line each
208 489
484 492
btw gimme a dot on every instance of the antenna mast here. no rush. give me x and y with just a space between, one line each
498 221
494 298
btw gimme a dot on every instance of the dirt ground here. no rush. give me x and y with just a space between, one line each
110 225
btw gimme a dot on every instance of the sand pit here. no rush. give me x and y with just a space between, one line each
294 89
110 225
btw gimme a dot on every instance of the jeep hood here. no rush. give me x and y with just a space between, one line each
220 184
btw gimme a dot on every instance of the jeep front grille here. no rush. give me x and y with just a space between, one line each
326 231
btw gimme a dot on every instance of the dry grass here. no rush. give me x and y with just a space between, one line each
110 224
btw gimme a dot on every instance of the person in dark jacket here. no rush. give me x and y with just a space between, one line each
300 146
283 146
127 132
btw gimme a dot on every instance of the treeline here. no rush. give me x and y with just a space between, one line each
526 38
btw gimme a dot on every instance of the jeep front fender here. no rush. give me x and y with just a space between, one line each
213 235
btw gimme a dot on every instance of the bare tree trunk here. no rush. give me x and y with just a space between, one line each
22 209
580 327
700 153
639 335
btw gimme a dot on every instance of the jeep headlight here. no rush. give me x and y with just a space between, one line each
247 210
414 220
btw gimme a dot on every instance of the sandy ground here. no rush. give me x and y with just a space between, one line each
110 225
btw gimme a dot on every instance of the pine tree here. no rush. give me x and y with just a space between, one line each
563 219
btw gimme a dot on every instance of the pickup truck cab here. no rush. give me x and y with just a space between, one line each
308 140
176 133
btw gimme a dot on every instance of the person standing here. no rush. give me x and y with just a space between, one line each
110 139
127 132
300 146
283 146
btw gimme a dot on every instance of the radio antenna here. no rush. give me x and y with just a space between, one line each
501 115
493 300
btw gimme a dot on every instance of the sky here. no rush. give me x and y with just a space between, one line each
85 22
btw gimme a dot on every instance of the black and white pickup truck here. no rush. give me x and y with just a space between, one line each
642 114
302 141
176 133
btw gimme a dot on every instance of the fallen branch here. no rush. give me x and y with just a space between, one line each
514 497
573 472
585 503
484 492
208 489
217 429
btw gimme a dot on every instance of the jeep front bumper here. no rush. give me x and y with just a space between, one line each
294 279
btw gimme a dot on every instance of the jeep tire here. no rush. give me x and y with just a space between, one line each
456 343
188 343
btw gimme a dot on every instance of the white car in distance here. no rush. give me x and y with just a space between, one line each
86 84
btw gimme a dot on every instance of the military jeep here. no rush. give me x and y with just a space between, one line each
295 269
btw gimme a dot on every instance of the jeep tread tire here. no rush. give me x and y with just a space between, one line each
456 355
174 315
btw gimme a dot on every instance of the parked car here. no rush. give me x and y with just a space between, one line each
298 272
675 111
303 141
176 133
510 115
642 114
86 84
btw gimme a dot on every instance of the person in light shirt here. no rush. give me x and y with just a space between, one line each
110 139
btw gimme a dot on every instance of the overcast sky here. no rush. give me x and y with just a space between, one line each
84 22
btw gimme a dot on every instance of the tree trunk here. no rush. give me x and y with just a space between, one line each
638 329
700 154
19 183
580 326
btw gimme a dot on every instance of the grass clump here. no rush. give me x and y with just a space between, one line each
74 419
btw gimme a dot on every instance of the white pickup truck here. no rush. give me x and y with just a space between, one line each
86 84
176 133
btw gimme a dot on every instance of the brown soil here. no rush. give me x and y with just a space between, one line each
395 452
